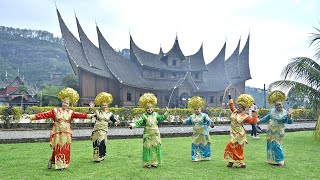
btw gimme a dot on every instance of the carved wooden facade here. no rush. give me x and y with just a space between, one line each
171 76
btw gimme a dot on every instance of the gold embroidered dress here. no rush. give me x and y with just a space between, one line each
99 134
275 134
234 150
200 147
61 134
152 150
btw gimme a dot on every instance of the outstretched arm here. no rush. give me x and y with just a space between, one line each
138 123
252 119
288 117
44 115
114 120
265 118
163 117
81 115
208 121
188 121
231 104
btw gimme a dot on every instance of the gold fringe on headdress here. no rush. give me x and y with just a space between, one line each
276 96
69 94
103 97
196 102
148 99
245 100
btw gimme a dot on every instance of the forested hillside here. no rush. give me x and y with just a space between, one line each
36 55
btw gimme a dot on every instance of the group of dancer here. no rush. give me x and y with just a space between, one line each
61 133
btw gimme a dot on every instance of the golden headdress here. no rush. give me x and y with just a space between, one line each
245 100
69 94
148 99
196 102
276 96
103 97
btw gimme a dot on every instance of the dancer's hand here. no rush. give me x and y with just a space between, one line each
117 123
212 125
91 104
25 116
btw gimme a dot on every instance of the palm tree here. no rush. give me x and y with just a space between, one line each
302 74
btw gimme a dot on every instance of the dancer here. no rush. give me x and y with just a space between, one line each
275 131
61 133
152 150
200 147
234 150
100 129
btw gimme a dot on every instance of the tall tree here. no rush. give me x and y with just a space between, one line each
48 95
302 74
71 80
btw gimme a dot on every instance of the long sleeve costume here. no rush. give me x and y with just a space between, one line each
61 133
275 134
99 134
152 149
234 150
200 147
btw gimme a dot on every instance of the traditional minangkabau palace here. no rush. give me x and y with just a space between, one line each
172 76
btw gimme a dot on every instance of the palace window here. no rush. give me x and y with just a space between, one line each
174 62
221 99
211 99
196 76
161 74
166 98
148 73
174 75
129 96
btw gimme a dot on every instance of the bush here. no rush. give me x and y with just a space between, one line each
127 115
10 114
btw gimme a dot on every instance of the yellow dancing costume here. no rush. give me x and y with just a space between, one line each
61 133
100 129
234 150
152 148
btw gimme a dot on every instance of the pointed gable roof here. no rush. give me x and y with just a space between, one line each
161 53
197 62
232 65
93 54
131 76
75 51
215 79
73 47
145 58
176 49
244 62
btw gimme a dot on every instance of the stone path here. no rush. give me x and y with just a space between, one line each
117 133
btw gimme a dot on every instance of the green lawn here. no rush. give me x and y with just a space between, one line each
29 160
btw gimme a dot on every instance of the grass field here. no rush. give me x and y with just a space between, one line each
29 160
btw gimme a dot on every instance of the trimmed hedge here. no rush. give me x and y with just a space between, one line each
128 114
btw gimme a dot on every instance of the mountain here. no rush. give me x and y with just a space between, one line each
258 95
36 56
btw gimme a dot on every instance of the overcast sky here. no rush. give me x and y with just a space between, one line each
279 29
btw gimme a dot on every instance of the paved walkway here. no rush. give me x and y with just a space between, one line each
117 133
